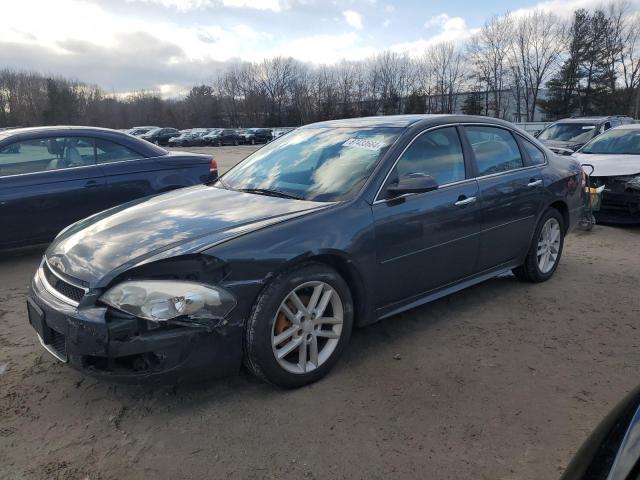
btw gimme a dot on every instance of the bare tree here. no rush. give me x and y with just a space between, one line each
538 41
489 50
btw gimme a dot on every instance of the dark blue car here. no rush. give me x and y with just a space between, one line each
336 224
51 177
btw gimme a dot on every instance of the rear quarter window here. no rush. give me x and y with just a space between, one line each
536 156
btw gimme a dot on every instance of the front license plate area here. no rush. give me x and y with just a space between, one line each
36 319
52 341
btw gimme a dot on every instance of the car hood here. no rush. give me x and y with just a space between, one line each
188 220
610 165
562 144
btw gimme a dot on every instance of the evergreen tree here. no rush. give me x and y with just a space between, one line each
473 104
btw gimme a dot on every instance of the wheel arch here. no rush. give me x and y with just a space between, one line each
342 264
562 207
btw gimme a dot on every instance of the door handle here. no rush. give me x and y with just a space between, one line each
465 201
91 184
534 183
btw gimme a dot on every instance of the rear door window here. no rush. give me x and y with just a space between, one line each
495 149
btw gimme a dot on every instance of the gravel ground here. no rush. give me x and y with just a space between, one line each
501 381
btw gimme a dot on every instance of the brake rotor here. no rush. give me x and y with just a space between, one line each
282 323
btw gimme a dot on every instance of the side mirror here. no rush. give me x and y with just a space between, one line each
412 184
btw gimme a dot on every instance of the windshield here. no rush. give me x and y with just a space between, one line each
568 132
321 164
615 142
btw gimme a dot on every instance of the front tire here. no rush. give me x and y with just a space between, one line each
299 326
545 251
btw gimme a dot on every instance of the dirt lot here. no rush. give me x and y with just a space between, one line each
501 381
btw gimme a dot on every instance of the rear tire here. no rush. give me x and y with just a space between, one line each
281 332
545 251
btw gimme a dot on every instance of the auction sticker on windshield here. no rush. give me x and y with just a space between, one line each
364 143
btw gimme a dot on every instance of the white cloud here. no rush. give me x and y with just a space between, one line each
565 8
257 4
449 29
187 5
353 19
386 23
327 49
446 23
181 5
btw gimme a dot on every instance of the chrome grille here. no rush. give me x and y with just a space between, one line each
61 286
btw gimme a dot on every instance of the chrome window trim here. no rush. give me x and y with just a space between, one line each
49 288
472 124
528 167
440 187
45 171
81 166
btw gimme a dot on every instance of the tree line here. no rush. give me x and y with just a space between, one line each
514 66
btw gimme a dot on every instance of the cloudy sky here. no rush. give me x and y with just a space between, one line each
125 45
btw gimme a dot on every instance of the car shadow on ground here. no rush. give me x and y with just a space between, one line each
365 343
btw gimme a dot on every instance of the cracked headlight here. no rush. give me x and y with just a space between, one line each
162 300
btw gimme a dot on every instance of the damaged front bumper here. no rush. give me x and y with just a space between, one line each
620 200
105 343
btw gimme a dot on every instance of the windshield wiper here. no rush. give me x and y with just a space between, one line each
223 183
273 193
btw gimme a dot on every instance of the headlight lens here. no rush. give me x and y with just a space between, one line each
162 300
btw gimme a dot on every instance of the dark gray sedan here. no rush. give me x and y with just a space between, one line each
53 176
336 224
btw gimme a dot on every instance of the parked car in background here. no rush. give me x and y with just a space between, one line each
278 132
51 177
336 224
222 136
137 131
190 138
159 136
255 135
615 157
568 135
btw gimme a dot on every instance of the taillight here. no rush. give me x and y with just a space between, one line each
213 166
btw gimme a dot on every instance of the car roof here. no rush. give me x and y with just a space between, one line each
627 126
593 119
144 148
404 121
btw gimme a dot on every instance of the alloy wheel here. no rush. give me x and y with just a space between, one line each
549 245
307 327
